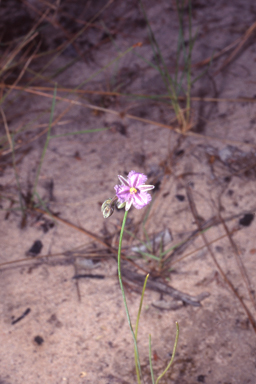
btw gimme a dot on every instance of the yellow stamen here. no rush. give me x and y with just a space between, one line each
133 190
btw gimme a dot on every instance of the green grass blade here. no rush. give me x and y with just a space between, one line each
124 298
137 323
146 254
11 144
173 353
80 132
150 361
46 142
140 307
42 204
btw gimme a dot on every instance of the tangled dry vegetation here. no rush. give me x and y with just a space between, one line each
89 91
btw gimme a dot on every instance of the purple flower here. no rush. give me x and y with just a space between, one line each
133 191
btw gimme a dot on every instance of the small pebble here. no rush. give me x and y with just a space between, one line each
225 154
246 219
38 339
35 249
180 197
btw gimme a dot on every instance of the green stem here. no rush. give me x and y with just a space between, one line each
124 298
173 353
150 361
191 43
137 322
46 142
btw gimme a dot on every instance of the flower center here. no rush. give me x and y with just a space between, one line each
133 190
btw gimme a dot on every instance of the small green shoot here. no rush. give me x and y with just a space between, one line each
46 142
171 361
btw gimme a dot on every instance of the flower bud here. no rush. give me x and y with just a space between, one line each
107 208
120 205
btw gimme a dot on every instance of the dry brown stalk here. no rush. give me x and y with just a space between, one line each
196 216
108 93
63 46
21 74
216 55
246 36
52 20
239 261
54 123
80 229
129 116
29 37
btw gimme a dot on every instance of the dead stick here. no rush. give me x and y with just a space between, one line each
225 278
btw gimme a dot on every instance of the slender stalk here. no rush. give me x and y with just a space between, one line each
11 144
46 142
138 319
150 361
173 353
163 70
124 299
42 204
191 44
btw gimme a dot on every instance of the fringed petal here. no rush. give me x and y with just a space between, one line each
136 179
122 192
123 181
129 203
133 191
141 200
144 188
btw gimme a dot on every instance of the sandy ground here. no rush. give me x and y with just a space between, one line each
74 331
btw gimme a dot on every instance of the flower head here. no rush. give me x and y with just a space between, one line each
133 191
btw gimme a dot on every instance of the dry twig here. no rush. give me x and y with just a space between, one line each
222 273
